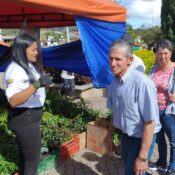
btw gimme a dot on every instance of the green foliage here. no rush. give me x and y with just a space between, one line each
150 35
3 123
11 32
61 116
148 58
53 133
117 137
6 167
8 147
3 120
108 115
54 35
8 153
62 105
129 26
167 19
117 133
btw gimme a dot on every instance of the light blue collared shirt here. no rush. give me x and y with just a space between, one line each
133 101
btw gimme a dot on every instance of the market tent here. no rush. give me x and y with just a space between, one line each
55 13
99 23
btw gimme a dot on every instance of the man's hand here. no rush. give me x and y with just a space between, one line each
109 143
141 162
140 166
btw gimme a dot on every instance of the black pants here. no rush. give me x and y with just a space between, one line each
25 123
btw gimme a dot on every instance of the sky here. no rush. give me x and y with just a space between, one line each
142 12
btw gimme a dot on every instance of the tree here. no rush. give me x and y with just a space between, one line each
129 26
150 35
11 32
168 19
54 35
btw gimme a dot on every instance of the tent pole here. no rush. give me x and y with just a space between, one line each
67 31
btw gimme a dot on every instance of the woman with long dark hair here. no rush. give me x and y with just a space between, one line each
26 95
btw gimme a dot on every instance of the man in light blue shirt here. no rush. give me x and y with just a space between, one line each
132 98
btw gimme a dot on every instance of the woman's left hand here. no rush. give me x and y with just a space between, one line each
172 97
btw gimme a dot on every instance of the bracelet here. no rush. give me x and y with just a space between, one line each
142 159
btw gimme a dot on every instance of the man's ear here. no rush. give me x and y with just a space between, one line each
130 60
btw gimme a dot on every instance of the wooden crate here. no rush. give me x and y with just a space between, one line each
96 133
70 148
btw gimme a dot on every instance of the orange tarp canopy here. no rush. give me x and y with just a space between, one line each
56 13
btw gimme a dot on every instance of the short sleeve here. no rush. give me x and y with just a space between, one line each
15 81
148 106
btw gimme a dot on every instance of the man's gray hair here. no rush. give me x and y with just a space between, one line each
118 44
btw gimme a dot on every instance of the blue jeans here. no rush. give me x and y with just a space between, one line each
130 150
168 124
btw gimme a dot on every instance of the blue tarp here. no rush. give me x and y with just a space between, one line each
96 39
88 56
3 51
66 57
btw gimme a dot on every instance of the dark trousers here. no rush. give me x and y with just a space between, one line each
161 141
130 150
25 123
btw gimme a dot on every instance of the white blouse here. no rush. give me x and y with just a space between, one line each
16 80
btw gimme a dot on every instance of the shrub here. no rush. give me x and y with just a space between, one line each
53 134
148 58
6 167
8 146
62 115
62 105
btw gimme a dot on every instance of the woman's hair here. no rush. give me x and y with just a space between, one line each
164 44
18 53
122 44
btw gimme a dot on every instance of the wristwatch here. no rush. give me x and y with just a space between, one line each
142 159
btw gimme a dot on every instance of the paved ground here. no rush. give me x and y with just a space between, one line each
87 162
